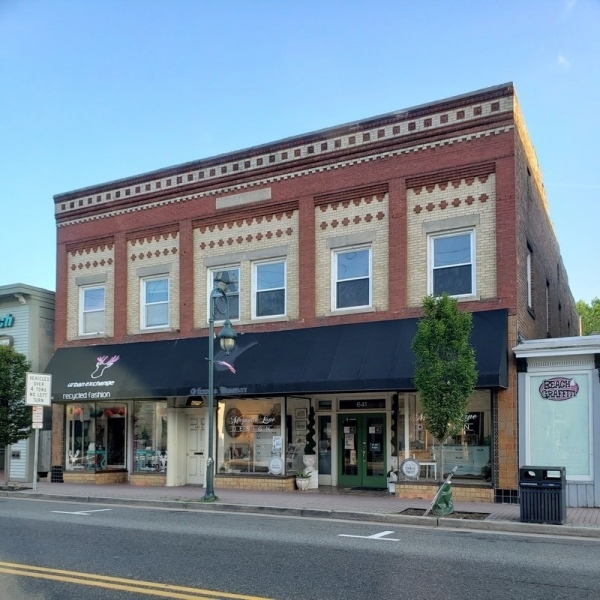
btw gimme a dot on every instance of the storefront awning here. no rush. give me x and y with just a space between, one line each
370 357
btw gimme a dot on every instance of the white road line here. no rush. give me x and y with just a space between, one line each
375 536
86 513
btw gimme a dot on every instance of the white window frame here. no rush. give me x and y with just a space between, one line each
143 304
335 281
210 284
82 312
431 255
255 291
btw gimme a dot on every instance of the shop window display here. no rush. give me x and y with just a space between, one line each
95 436
470 450
150 437
250 437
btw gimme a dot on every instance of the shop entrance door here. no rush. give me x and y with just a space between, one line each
195 450
362 451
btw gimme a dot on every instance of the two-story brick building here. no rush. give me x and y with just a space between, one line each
327 244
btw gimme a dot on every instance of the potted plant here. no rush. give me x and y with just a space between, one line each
303 480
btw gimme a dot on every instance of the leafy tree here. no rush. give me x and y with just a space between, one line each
445 373
590 316
15 415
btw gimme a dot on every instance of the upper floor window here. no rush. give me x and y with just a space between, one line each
92 313
452 264
155 302
230 278
269 289
351 278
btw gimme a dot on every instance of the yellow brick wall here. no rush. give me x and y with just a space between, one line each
468 199
279 484
416 491
364 215
106 477
150 251
148 479
245 236
90 261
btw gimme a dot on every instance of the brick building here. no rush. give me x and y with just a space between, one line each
326 244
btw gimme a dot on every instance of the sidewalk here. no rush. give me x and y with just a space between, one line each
324 502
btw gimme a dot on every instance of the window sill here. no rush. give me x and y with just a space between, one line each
351 311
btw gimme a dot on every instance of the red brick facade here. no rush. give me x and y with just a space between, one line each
418 153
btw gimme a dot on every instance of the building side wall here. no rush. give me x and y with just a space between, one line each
553 313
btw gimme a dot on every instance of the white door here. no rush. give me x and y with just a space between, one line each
196 465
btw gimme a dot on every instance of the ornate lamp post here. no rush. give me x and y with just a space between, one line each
227 337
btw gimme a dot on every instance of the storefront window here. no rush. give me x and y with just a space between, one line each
469 451
96 436
150 437
250 438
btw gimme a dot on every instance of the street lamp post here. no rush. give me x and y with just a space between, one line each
227 337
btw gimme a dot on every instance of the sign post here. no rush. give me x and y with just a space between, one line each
38 394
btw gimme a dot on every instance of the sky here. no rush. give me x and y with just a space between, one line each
93 91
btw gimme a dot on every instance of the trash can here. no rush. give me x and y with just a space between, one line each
543 495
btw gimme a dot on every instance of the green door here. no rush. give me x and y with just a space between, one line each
362 451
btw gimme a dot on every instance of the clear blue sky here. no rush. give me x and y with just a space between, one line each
96 90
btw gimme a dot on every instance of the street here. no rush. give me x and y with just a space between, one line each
47 547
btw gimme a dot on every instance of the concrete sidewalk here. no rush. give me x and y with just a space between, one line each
324 502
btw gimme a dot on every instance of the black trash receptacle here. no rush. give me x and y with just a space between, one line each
543 495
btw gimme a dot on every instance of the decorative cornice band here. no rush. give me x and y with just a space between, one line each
290 175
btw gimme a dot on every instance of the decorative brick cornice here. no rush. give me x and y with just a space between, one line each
353 194
87 246
246 214
74 219
454 176
431 122
165 232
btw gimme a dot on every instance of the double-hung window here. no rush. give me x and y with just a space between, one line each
452 264
155 302
269 289
92 313
352 278
229 280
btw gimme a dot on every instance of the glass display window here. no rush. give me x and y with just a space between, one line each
96 436
250 437
150 437
469 451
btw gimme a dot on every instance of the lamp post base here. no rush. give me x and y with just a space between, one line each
209 497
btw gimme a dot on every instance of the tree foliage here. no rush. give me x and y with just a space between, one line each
15 415
590 316
445 373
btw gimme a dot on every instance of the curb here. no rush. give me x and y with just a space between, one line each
397 519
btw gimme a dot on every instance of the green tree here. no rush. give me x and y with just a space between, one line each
15 415
445 373
590 316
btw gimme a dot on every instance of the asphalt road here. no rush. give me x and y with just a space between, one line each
68 551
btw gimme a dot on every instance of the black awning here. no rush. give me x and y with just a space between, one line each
370 357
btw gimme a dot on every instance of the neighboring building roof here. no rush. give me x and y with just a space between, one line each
23 290
589 344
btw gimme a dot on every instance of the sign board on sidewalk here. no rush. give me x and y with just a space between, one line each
37 426
38 387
